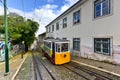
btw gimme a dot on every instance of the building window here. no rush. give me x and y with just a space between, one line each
65 22
102 45
101 8
49 29
76 44
76 17
57 26
52 27
64 38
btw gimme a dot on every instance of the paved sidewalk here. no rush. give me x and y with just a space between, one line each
14 65
104 66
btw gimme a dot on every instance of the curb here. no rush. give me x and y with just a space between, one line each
19 68
96 68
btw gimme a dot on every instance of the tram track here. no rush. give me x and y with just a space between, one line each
78 69
36 69
47 70
38 60
91 73
75 71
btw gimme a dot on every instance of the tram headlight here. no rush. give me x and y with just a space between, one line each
65 55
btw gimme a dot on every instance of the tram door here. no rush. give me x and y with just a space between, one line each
53 48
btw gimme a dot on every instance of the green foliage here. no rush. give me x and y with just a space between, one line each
2 30
20 29
1 24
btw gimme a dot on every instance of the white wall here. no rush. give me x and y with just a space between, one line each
106 26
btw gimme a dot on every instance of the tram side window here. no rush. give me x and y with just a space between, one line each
45 43
57 47
48 44
64 47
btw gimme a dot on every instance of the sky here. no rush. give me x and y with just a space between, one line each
42 11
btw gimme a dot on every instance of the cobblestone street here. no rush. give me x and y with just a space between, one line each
58 72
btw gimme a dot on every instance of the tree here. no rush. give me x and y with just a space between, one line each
1 24
21 30
15 26
28 32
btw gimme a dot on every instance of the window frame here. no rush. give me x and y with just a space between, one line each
57 47
64 46
65 22
57 25
49 29
102 43
53 28
64 38
101 2
77 17
77 39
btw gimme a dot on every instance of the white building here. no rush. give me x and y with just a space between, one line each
93 28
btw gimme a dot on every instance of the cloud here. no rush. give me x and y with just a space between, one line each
16 11
67 4
49 12
44 14
71 2
1 10
48 6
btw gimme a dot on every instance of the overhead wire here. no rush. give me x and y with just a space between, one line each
42 13
9 10
5 6
1 3
34 9
1 0
23 9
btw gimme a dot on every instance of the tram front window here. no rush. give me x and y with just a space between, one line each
57 47
64 47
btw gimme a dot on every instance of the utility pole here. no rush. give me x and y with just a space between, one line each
6 40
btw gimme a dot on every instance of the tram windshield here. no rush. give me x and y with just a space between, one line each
62 47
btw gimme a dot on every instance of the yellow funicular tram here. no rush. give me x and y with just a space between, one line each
57 50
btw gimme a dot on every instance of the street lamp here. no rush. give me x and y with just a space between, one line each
6 41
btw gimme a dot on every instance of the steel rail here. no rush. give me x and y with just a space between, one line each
36 68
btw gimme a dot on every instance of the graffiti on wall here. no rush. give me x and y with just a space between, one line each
2 48
16 49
